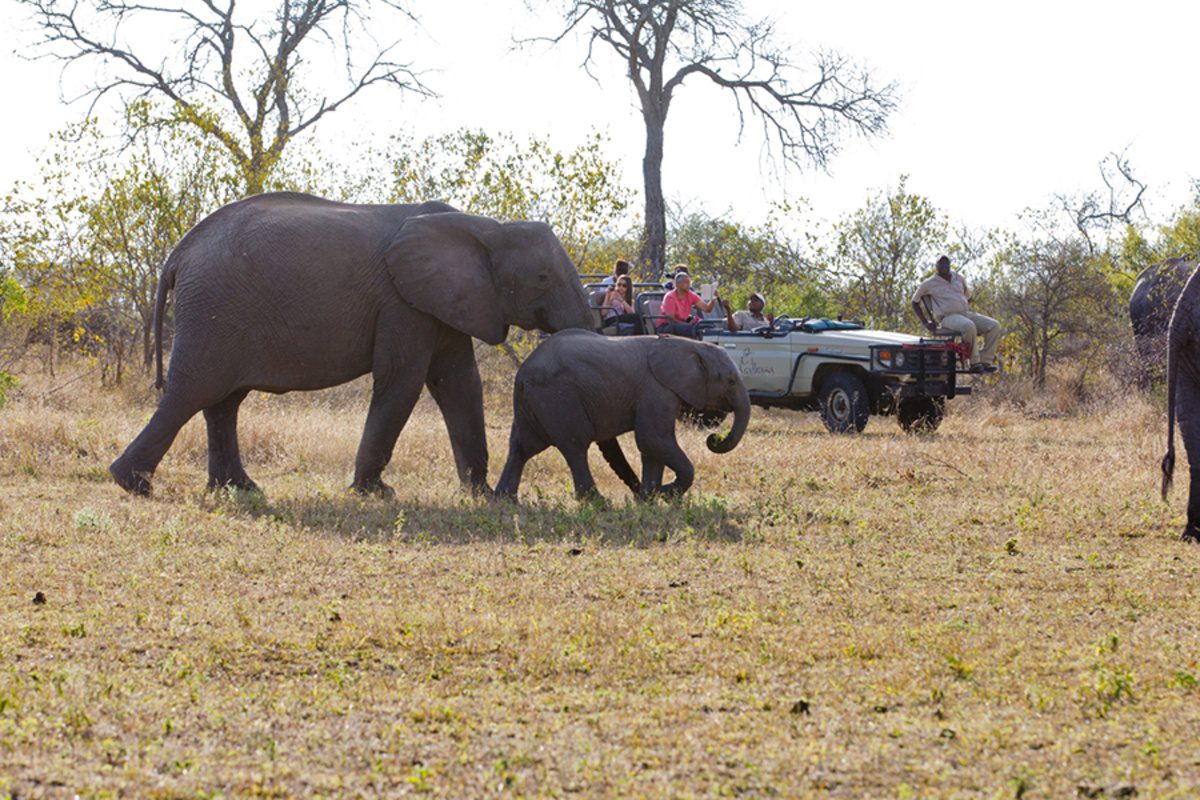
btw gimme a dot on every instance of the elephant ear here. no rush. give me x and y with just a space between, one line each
680 367
440 264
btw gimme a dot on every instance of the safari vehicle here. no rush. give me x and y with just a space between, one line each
845 371
839 368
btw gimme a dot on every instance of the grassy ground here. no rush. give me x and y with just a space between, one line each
1002 610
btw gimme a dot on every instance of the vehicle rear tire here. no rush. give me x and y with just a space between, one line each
921 414
844 404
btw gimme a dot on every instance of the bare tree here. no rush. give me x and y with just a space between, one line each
240 81
1101 210
662 43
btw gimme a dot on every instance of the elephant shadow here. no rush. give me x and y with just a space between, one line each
465 518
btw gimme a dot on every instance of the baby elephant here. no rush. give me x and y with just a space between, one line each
580 387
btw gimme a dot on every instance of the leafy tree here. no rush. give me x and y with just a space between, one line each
578 193
659 44
884 249
1181 236
240 81
1056 301
745 259
88 240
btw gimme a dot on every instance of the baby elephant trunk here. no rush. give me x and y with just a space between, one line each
723 443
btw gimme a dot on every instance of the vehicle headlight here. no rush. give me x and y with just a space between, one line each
899 360
885 357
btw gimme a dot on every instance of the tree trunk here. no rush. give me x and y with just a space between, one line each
653 255
147 350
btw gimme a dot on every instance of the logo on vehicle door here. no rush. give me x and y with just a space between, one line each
748 366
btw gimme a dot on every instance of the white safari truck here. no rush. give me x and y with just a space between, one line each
840 369
844 371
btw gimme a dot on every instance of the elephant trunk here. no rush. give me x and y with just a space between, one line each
573 311
723 443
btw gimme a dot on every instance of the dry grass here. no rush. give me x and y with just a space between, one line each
1002 610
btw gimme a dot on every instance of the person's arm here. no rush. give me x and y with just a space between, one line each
927 323
709 305
919 309
729 323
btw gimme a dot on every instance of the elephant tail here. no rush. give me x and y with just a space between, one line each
166 281
615 456
1168 462
1178 334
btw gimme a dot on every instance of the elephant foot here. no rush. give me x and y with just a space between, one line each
136 482
673 490
1191 534
374 488
242 483
479 489
592 497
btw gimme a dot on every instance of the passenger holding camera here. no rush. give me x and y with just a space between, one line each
677 308
619 306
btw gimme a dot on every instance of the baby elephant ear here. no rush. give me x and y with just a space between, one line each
440 264
678 364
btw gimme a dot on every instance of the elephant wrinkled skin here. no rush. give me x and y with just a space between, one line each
580 387
1150 306
1183 397
286 291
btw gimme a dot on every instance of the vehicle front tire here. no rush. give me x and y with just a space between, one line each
844 403
921 414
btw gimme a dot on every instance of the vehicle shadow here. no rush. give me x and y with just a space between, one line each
464 518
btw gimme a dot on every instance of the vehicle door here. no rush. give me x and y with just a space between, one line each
765 362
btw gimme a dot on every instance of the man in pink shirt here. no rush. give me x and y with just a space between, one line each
677 308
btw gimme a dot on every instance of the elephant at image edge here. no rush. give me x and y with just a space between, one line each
580 387
285 291
1151 303
1183 397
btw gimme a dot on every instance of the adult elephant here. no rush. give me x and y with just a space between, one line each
1150 306
1183 397
580 387
286 291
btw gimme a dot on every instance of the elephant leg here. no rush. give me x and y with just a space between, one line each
133 469
399 373
522 446
652 473
581 475
615 456
672 455
453 381
1191 533
224 458
654 433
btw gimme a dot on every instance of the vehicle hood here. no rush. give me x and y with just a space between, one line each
857 339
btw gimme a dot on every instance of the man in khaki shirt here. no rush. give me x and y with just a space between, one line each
948 297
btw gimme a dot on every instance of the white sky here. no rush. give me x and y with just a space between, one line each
1002 104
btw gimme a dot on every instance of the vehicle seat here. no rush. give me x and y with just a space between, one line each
649 309
595 295
927 303
945 333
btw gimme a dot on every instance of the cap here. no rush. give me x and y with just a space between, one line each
761 299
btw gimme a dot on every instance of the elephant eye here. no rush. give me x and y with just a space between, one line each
543 277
